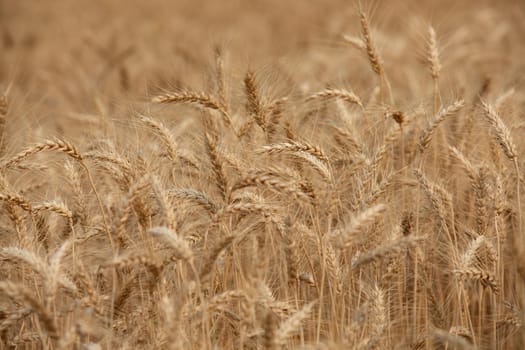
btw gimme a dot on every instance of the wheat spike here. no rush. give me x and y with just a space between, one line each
292 324
197 98
501 131
51 145
444 113
433 53
344 95
178 244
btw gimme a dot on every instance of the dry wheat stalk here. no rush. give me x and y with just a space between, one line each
373 57
178 244
55 206
433 53
434 63
197 98
17 200
467 165
124 172
218 301
52 145
378 308
10 318
354 41
342 94
170 319
481 192
347 141
333 266
30 337
501 131
275 109
292 258
254 105
221 84
441 202
244 208
4 106
71 151
217 162
436 312
312 155
214 254
294 146
269 331
79 198
264 297
128 261
87 287
164 202
389 182
49 272
506 143
21 293
289 326
452 339
371 50
469 257
445 112
198 197
164 133
509 324
36 263
317 164
133 200
485 278
55 275
359 224
274 181
232 160
386 250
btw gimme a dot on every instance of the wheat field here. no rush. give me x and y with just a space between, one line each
262 174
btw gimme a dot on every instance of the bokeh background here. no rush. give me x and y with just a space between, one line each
68 51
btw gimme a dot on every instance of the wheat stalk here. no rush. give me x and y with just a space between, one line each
49 145
434 63
19 292
444 113
342 94
289 326
197 98
506 143
165 135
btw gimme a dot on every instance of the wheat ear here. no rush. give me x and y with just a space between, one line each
196 98
444 113
434 63
374 58
292 324
254 103
70 150
20 292
341 94
503 136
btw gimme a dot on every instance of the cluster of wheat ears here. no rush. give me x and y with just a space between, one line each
330 219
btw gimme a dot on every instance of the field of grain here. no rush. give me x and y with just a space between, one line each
262 174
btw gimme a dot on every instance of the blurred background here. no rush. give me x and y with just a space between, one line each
66 57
